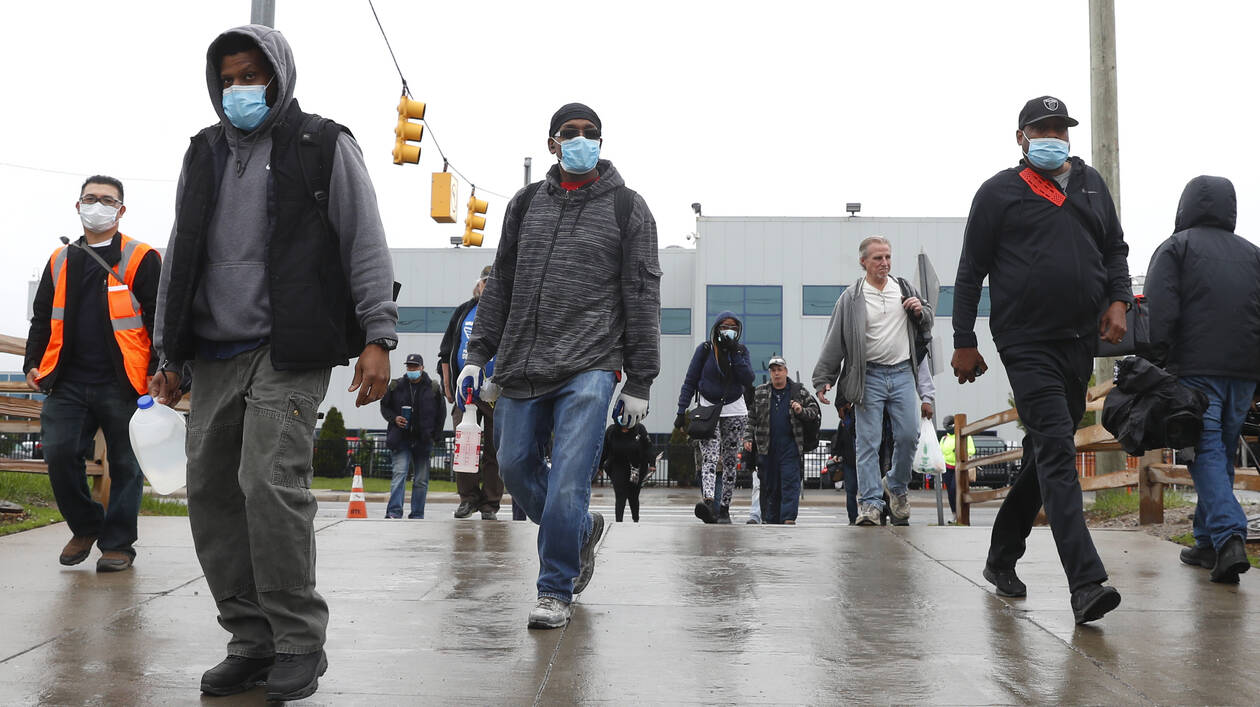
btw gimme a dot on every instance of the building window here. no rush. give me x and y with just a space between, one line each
819 300
945 307
676 321
424 320
760 308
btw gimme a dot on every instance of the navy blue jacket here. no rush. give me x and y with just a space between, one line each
705 372
428 412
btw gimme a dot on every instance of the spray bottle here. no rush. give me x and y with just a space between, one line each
467 441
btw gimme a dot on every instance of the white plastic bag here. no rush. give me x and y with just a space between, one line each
928 458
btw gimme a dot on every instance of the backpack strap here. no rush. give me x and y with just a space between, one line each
522 204
317 147
623 206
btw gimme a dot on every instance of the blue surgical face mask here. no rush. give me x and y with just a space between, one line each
414 375
246 106
1047 152
579 155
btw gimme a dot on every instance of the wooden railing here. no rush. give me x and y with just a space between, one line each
1152 475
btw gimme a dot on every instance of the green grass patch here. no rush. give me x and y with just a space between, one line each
34 493
372 485
159 506
1114 503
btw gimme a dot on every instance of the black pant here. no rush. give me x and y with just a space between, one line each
1049 379
624 490
948 480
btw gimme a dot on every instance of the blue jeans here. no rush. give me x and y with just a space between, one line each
891 388
71 415
557 498
781 495
415 458
1218 515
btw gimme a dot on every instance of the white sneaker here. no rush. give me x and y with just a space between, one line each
868 514
550 613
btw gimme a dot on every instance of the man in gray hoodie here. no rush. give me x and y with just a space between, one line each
277 270
573 300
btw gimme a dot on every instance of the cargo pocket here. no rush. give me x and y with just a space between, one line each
291 461
649 276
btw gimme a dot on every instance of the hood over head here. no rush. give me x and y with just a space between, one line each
1207 201
723 315
277 51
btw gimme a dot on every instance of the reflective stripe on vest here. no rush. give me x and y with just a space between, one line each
124 314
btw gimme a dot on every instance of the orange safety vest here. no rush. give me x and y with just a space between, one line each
124 314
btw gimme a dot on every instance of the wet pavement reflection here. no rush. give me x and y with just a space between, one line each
678 612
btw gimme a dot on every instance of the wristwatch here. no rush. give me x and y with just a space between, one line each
387 344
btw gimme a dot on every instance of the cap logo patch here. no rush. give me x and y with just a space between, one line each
1051 104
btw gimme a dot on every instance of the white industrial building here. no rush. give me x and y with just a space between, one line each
782 274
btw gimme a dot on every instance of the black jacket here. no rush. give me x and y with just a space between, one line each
1050 275
450 340
625 450
1149 409
428 413
144 287
1203 289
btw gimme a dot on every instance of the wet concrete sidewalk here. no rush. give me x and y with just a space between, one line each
434 613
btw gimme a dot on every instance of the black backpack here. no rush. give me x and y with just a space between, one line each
922 337
623 204
811 428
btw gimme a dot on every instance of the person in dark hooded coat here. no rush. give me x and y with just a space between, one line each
1203 291
720 370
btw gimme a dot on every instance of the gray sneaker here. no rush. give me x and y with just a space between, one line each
868 514
898 505
489 515
588 553
550 613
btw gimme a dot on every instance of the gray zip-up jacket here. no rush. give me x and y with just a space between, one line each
232 302
570 292
844 348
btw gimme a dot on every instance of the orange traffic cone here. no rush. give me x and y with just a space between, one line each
358 506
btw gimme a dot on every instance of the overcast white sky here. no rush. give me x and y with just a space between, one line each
751 108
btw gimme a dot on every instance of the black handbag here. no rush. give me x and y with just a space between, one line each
1137 338
922 336
702 421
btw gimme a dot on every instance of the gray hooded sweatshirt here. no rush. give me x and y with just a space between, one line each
232 302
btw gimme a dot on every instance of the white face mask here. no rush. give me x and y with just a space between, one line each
98 217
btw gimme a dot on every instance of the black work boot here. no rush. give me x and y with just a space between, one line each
236 674
1231 561
1006 581
1092 601
465 509
704 511
1199 556
724 515
296 675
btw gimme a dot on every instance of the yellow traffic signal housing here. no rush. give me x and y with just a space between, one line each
474 223
442 205
407 131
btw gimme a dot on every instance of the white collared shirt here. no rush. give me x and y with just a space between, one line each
887 340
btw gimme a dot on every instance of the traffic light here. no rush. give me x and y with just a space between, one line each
407 131
442 206
474 223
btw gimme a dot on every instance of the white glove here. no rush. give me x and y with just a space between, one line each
629 410
490 391
470 379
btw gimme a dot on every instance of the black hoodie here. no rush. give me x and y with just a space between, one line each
1203 289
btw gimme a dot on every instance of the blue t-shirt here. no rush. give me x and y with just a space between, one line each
465 333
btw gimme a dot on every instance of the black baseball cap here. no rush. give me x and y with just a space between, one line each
414 360
1044 107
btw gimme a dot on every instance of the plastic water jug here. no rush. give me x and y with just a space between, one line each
157 437
467 442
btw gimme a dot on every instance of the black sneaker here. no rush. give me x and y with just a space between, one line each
466 508
1199 556
236 674
1231 561
1091 602
296 675
587 555
724 515
704 511
1006 581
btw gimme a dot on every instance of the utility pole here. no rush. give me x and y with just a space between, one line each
1105 150
529 161
262 12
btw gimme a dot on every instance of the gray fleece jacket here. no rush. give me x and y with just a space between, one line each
844 348
232 302
571 293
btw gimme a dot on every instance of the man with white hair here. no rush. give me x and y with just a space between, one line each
870 350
